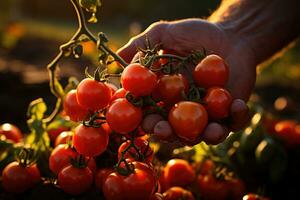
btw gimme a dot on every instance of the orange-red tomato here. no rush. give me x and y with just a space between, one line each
54 133
72 108
17 179
211 188
138 80
123 117
93 95
136 186
64 137
211 71
188 119
11 132
120 93
287 130
101 176
178 172
172 87
217 102
176 193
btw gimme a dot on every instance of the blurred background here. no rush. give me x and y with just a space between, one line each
32 30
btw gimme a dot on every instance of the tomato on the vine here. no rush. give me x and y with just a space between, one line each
217 102
175 193
138 80
287 131
11 132
17 178
100 177
211 71
93 95
64 138
120 93
178 172
211 188
90 141
188 119
60 157
252 196
75 180
123 117
143 148
55 132
172 87
72 108
136 186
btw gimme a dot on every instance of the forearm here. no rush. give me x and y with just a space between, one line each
265 25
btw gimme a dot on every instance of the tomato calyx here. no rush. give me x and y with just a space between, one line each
93 121
80 161
26 157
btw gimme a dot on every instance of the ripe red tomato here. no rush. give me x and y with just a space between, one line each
60 157
211 71
288 132
207 167
178 172
93 95
54 133
123 117
138 80
171 88
17 179
100 177
11 132
218 102
138 185
252 196
237 189
72 108
188 120
64 137
143 147
120 93
74 180
90 141
112 88
211 188
175 193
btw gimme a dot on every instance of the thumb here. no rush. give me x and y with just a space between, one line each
154 33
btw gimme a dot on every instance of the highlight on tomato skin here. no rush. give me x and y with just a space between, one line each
11 132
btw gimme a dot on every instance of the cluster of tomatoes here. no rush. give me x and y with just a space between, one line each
150 101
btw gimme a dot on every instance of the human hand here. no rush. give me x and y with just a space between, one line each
188 35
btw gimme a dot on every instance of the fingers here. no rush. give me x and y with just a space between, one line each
214 133
154 34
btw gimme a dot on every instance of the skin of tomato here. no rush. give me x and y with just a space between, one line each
60 157
211 188
93 95
138 80
188 119
207 167
142 145
54 133
252 196
237 188
217 103
72 108
17 179
175 193
120 93
171 87
286 130
74 180
138 185
157 196
211 71
90 141
100 177
179 172
112 88
11 132
123 117
64 137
